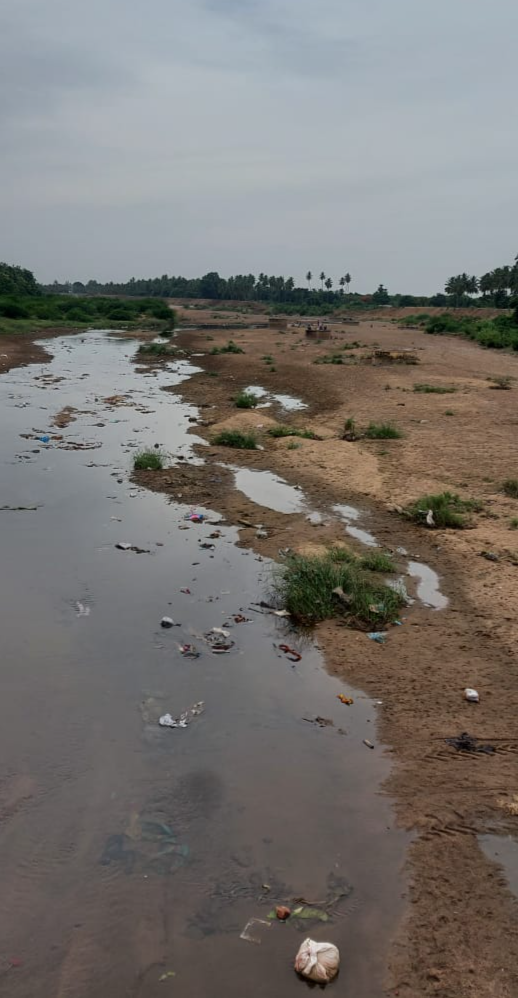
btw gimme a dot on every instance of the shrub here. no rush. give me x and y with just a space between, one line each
246 400
237 439
513 524
149 460
350 432
231 347
378 561
306 583
448 510
510 487
383 431
503 382
155 350
291 431
434 389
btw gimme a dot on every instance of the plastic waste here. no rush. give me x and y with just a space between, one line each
254 929
471 695
430 522
348 701
378 636
168 721
282 913
318 962
167 622
44 439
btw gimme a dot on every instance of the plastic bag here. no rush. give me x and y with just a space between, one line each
318 962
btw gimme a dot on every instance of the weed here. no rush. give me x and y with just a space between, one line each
293 446
273 370
350 432
383 431
268 359
291 431
231 347
449 412
503 382
149 460
209 339
513 524
156 350
434 389
237 439
448 510
377 561
306 584
246 400
213 374
510 487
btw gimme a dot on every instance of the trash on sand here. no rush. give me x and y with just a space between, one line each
82 610
489 556
368 743
165 977
430 522
253 929
318 962
167 622
187 592
195 517
239 619
281 613
471 695
44 439
343 699
167 721
343 597
261 534
207 546
292 655
124 546
282 912
468 743
378 636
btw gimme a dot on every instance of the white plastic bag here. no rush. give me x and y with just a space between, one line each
317 961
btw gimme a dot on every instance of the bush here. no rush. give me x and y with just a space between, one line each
383 431
237 439
448 510
434 389
149 460
246 400
231 347
306 583
502 382
350 432
291 431
156 350
510 487
13 310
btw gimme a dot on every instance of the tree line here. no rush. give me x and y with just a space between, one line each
498 287
17 281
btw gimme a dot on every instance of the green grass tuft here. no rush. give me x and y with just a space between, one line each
378 561
383 431
306 584
448 510
149 460
510 487
246 400
291 431
434 389
156 350
231 347
237 439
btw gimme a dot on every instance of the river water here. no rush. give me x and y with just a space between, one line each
130 851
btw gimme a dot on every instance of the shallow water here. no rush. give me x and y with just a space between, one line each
503 849
428 585
128 850
350 515
288 402
268 490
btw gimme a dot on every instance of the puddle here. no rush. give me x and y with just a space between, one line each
267 489
428 586
349 514
288 402
157 841
503 849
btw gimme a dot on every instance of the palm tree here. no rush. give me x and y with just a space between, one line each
347 280
329 284
322 278
309 278
342 285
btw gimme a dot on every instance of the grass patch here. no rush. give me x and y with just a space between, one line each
155 350
291 431
448 510
449 412
383 431
510 487
513 524
149 460
293 445
306 584
231 347
237 439
350 431
502 382
427 389
246 400
378 561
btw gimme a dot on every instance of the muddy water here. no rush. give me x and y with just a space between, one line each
128 850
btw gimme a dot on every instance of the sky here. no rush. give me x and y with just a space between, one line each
377 137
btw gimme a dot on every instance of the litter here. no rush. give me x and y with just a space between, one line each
309 913
165 977
82 610
430 522
124 546
252 930
261 534
189 651
281 613
323 722
239 619
167 622
207 546
468 743
44 439
378 636
318 962
368 743
195 517
168 721
348 701
282 912
343 597
187 592
217 638
292 655
471 695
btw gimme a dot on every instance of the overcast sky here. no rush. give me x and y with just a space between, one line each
181 136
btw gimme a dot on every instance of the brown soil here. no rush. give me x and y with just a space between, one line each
460 937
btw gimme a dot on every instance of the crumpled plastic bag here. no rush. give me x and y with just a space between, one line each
318 962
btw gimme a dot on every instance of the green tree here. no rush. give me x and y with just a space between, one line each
459 286
322 278
309 278
381 296
342 285
329 284
347 280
